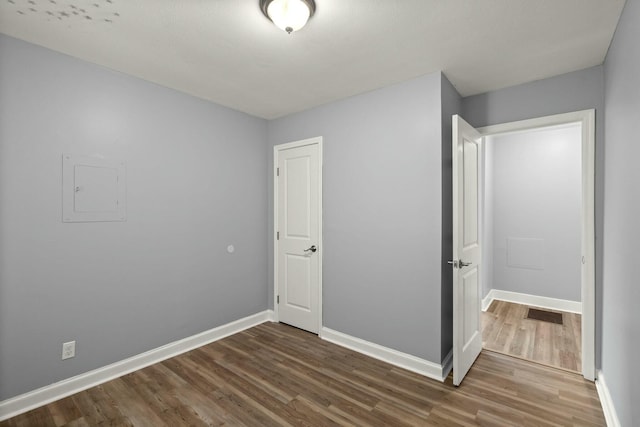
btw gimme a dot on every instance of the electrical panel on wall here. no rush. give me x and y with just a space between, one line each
93 189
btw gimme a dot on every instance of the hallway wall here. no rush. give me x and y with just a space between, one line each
534 206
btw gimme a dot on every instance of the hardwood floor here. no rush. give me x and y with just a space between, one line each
276 375
505 329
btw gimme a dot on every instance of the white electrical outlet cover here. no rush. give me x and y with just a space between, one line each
68 350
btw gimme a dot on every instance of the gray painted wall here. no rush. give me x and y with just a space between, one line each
621 293
195 184
451 105
535 187
579 90
382 195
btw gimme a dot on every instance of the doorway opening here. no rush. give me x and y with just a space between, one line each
537 228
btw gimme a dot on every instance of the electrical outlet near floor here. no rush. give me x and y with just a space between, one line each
68 350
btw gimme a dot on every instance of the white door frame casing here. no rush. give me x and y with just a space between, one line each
586 119
276 150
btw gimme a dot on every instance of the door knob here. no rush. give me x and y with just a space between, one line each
312 249
458 263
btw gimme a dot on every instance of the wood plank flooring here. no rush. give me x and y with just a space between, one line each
276 375
505 329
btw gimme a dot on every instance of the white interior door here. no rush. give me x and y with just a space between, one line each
298 234
467 332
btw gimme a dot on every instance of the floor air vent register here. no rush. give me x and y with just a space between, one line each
544 315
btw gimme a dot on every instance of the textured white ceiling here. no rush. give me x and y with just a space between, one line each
226 51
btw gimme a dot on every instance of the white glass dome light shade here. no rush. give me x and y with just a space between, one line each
289 15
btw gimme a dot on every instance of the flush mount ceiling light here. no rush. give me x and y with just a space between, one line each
288 15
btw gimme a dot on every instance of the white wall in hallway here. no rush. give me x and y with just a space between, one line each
533 207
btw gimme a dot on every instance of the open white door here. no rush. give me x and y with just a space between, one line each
467 332
298 218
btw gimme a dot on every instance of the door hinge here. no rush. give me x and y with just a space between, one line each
278 299
277 235
277 171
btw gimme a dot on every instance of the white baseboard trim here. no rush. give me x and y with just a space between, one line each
610 414
42 396
537 301
486 301
403 360
271 316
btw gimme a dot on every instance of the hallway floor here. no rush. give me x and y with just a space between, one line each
506 330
